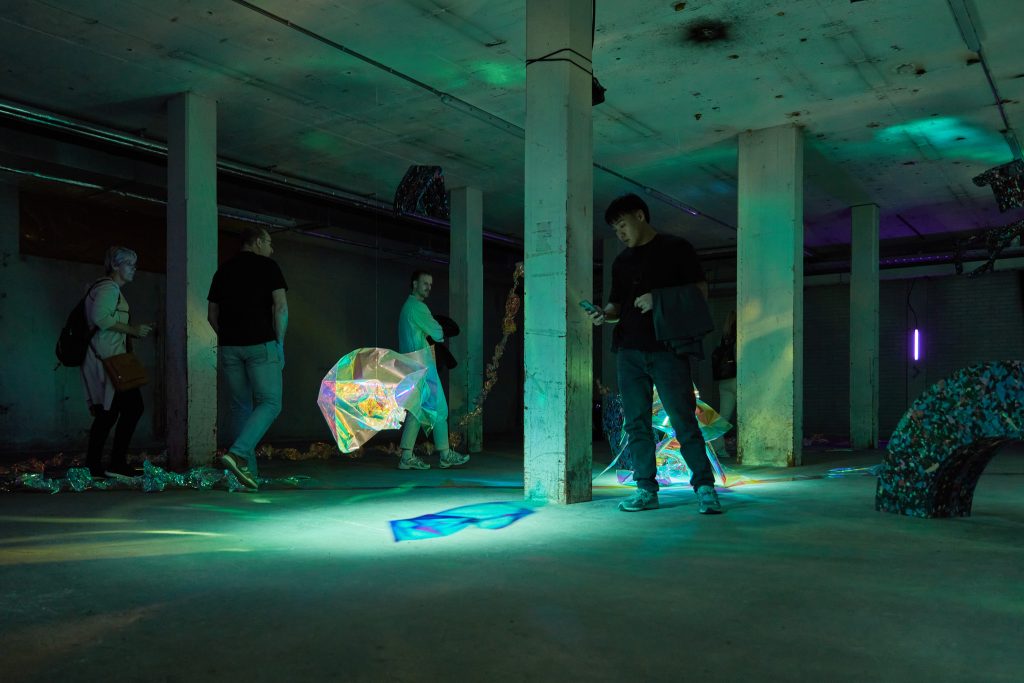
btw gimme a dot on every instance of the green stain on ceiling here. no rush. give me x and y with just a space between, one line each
500 73
949 137
319 141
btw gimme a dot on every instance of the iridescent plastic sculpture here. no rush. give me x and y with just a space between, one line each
371 389
671 466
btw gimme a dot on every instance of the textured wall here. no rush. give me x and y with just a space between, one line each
339 300
962 322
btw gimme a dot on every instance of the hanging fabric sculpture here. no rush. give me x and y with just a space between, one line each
372 389
672 467
422 193
513 302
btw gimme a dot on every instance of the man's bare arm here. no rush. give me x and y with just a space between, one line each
280 314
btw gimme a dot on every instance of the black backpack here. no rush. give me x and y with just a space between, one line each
73 343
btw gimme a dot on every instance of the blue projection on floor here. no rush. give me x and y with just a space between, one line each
447 522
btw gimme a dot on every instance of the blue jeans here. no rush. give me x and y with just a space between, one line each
411 429
252 375
638 373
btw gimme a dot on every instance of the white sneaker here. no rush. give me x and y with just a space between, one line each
412 462
453 459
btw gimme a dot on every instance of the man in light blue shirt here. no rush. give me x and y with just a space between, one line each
415 325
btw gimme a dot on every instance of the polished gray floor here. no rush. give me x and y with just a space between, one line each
800 580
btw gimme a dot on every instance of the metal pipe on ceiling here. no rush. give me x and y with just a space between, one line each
969 33
22 113
225 211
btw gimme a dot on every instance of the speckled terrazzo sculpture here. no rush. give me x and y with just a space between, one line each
943 443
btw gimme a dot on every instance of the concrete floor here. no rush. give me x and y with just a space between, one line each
801 580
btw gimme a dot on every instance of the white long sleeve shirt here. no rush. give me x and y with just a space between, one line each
415 324
104 306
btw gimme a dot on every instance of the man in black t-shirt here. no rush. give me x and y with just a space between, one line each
654 263
248 310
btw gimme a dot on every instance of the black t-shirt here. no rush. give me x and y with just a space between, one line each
242 288
665 261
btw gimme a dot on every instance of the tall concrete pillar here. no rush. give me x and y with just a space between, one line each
466 303
559 234
864 327
610 247
191 345
769 296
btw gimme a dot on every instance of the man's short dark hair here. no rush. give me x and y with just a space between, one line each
416 276
626 204
252 234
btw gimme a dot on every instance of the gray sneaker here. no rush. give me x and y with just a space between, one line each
453 459
233 463
641 500
411 461
707 500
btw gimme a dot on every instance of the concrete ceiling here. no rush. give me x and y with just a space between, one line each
897 109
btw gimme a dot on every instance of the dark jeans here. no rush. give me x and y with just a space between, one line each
125 411
638 373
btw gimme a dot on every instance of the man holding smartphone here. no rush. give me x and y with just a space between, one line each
655 277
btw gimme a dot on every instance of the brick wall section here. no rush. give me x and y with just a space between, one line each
962 321
894 327
826 360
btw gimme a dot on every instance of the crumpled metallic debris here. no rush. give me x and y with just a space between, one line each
153 479
319 450
870 471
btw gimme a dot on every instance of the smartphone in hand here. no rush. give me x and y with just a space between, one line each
591 308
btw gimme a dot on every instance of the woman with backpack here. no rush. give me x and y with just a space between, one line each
106 311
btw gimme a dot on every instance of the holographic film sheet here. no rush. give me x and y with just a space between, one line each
372 389
671 466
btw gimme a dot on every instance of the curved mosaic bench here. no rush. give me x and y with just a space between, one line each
943 443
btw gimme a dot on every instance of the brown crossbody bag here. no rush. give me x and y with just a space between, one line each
124 369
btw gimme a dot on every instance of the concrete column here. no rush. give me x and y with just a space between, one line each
466 303
611 246
864 327
559 234
191 345
769 297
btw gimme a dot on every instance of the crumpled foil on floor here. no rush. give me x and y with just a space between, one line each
671 467
869 471
152 479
